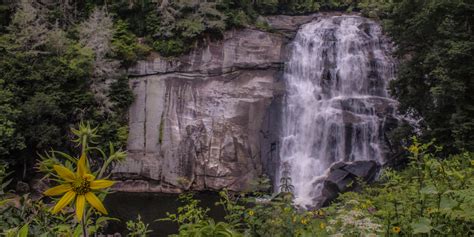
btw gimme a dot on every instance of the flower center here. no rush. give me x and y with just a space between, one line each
81 186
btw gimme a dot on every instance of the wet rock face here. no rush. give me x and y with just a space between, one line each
197 121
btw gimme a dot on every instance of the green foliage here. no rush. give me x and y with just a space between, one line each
4 182
125 45
234 209
86 137
48 81
271 217
285 181
6 9
435 41
34 215
137 228
170 47
267 6
177 24
9 139
432 196
194 221
189 213
262 25
23 215
207 228
378 9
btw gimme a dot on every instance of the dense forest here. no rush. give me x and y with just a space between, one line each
63 62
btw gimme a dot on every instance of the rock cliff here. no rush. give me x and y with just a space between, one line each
209 119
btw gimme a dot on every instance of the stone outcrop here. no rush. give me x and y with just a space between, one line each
343 177
197 121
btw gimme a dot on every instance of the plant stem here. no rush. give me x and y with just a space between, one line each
104 167
84 141
84 227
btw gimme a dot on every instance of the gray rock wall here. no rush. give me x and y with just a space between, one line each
196 122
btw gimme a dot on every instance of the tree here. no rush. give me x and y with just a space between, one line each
96 34
29 26
435 41
9 138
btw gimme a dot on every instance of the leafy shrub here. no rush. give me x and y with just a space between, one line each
137 228
207 228
125 45
432 196
170 47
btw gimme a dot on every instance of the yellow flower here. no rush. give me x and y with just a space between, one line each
396 229
304 221
251 213
321 212
322 225
78 186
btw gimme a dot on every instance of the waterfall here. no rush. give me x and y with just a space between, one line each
336 80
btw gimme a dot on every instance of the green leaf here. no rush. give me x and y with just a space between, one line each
448 203
105 219
5 201
430 189
23 231
423 226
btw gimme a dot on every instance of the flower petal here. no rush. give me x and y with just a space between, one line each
64 201
82 165
64 173
80 206
95 202
101 183
89 177
58 190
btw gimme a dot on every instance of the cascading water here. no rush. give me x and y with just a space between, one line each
336 82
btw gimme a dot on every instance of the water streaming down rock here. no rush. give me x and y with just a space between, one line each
336 101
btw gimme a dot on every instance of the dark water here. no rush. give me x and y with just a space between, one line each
153 206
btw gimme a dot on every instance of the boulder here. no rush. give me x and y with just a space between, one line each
343 177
